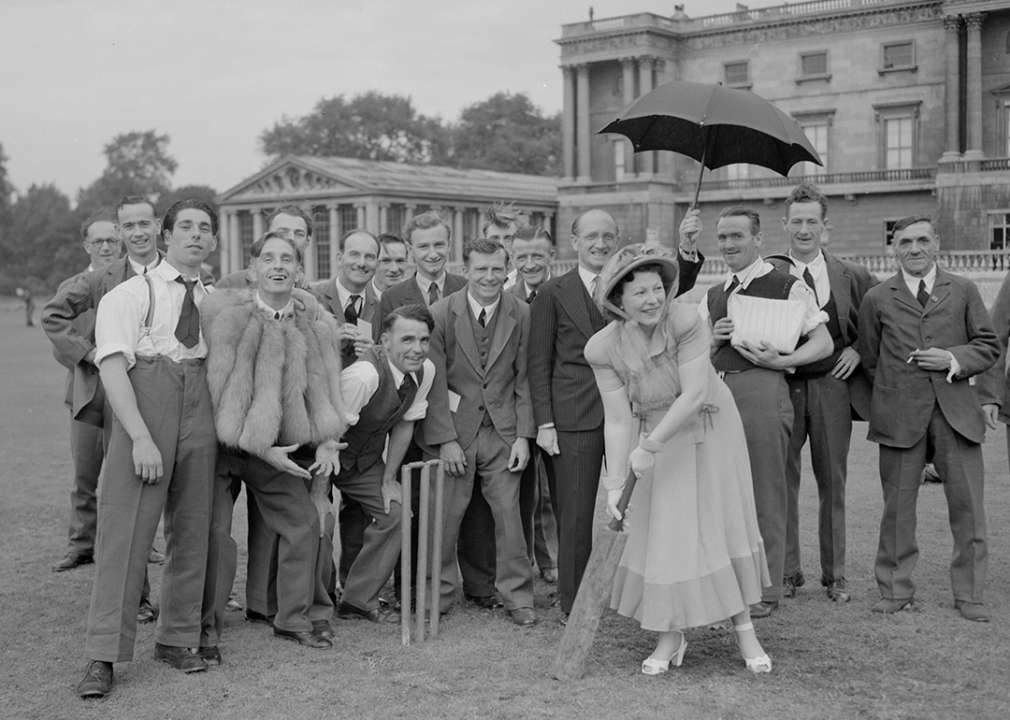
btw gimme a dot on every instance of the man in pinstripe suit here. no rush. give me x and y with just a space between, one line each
566 402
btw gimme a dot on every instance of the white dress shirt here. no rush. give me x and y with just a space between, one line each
476 307
143 269
359 382
587 279
819 271
424 283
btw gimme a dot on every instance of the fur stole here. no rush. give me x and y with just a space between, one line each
272 382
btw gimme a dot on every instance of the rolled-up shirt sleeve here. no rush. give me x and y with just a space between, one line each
118 321
358 383
813 316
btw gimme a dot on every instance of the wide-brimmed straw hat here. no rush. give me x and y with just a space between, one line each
628 259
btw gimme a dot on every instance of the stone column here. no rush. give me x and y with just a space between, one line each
568 122
257 216
223 242
309 262
549 225
359 221
383 218
334 237
408 214
236 242
582 121
372 216
952 93
457 234
664 158
628 80
646 165
973 21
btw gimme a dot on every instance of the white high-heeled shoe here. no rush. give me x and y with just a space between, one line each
655 666
759 664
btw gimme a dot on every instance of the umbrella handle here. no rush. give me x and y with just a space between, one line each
701 173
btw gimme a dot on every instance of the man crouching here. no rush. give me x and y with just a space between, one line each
273 370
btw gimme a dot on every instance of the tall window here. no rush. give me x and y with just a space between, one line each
817 133
321 239
396 218
619 160
245 234
347 216
472 221
736 74
898 143
889 232
999 231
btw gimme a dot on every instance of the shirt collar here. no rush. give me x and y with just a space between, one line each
587 278
144 269
815 265
285 312
755 270
397 375
376 290
345 295
424 283
476 307
913 282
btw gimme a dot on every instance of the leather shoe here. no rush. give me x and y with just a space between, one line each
155 557
378 615
523 617
487 602
550 575
210 655
837 589
97 681
146 612
322 628
71 560
975 612
308 639
254 616
791 582
232 605
186 659
762 609
889 606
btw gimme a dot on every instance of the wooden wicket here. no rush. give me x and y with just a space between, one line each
423 564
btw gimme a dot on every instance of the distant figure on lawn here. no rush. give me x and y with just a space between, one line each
25 295
922 335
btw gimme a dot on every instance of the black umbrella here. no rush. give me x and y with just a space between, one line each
716 126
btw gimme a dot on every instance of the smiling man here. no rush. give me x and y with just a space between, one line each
349 295
150 352
755 374
290 220
392 263
923 334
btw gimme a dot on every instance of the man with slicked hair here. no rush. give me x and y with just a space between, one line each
290 219
566 402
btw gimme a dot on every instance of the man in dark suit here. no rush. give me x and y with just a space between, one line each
349 294
922 335
994 384
824 393
566 402
101 242
480 417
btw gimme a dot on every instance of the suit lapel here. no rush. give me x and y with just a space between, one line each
901 293
464 332
333 300
572 296
941 291
368 307
838 278
502 329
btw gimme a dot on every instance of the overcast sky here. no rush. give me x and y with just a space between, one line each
213 74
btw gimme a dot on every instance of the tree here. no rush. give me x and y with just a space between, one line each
6 192
43 247
138 163
370 126
508 133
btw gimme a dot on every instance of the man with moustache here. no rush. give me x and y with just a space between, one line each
923 334
102 244
533 252
755 374
480 418
566 402
150 352
392 263
824 393
274 378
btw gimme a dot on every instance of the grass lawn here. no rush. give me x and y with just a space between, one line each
830 661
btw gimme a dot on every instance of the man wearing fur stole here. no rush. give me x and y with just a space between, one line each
273 371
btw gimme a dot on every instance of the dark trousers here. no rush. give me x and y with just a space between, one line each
87 448
821 413
539 526
574 480
959 462
174 401
762 397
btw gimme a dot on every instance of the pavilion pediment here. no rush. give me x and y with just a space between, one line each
288 179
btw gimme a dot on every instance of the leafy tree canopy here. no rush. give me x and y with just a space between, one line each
137 163
508 133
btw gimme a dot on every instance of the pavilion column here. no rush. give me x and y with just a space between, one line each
664 158
548 224
359 221
645 159
334 237
457 233
582 121
973 22
952 152
223 242
383 218
372 216
235 243
257 216
628 83
408 213
568 122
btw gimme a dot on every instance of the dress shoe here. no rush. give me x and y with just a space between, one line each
254 616
837 589
308 639
378 615
232 605
550 575
791 582
394 604
975 612
488 602
155 557
186 659
563 622
889 606
757 665
762 609
146 612
323 629
97 680
523 617
210 655
656 666
71 560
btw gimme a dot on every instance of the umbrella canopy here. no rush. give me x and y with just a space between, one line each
716 126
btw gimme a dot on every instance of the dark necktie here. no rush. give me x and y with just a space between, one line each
405 386
733 285
351 311
809 280
482 320
432 294
188 330
533 294
922 296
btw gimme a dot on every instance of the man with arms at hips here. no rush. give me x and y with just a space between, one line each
150 352
385 392
824 393
923 334
566 401
102 244
480 418
533 250
755 374
392 268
